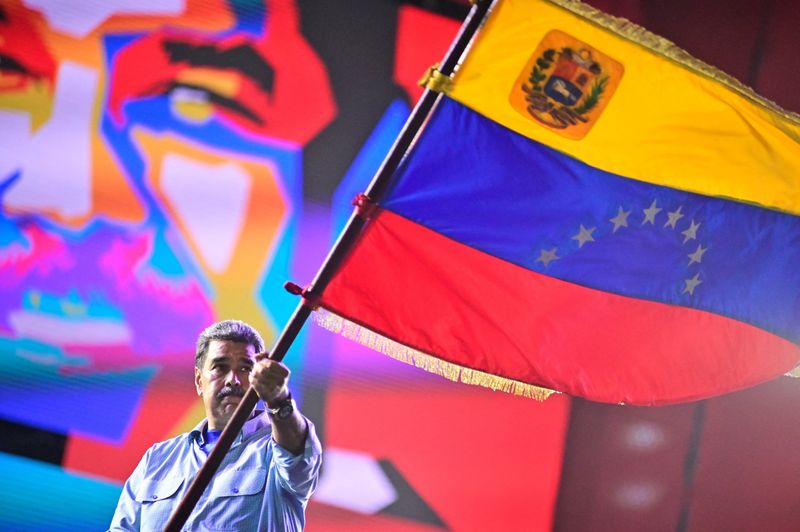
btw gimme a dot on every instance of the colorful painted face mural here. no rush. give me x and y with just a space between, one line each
150 180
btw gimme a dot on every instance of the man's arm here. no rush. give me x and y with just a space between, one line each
299 473
297 453
290 432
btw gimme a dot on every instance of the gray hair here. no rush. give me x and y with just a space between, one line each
228 330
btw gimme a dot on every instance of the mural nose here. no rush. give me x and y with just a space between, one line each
58 151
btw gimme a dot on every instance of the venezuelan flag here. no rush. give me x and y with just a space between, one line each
589 210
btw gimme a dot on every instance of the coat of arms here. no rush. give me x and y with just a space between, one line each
565 85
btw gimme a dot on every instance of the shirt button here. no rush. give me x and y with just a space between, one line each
235 490
155 496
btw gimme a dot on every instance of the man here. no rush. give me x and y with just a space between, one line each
267 477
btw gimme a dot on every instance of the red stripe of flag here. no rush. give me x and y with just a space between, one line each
464 306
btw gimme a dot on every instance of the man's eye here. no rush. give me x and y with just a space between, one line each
248 369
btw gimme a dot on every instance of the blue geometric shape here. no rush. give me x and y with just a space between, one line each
368 161
39 496
38 389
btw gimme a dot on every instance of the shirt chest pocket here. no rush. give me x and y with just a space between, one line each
157 490
158 498
235 483
236 500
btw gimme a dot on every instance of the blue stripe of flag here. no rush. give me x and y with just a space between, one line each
490 188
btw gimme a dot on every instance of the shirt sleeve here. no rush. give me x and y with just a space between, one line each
299 473
128 514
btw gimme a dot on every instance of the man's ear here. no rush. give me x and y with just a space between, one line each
198 383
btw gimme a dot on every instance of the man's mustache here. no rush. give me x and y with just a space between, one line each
230 390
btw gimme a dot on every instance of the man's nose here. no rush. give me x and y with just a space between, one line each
233 378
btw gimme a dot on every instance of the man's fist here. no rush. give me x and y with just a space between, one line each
270 379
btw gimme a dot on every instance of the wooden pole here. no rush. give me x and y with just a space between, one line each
345 241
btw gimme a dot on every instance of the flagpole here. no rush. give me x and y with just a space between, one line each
343 244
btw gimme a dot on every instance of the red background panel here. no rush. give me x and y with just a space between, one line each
732 463
481 460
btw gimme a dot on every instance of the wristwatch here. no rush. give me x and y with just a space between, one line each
283 409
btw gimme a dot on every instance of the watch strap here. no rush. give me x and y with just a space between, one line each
282 409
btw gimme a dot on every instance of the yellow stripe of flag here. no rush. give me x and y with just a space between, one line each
625 101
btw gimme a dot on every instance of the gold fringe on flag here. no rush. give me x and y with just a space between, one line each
431 364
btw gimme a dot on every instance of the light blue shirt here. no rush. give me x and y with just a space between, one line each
258 486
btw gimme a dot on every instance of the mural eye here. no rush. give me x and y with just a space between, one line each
197 103
14 75
193 104
8 65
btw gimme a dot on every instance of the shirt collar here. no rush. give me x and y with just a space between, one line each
256 422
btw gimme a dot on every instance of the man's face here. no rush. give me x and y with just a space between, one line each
223 379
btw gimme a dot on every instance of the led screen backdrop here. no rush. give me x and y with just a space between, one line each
164 164
168 164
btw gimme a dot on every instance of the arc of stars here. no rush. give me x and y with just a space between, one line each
673 217
584 235
650 213
691 233
547 256
621 219
697 256
691 284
